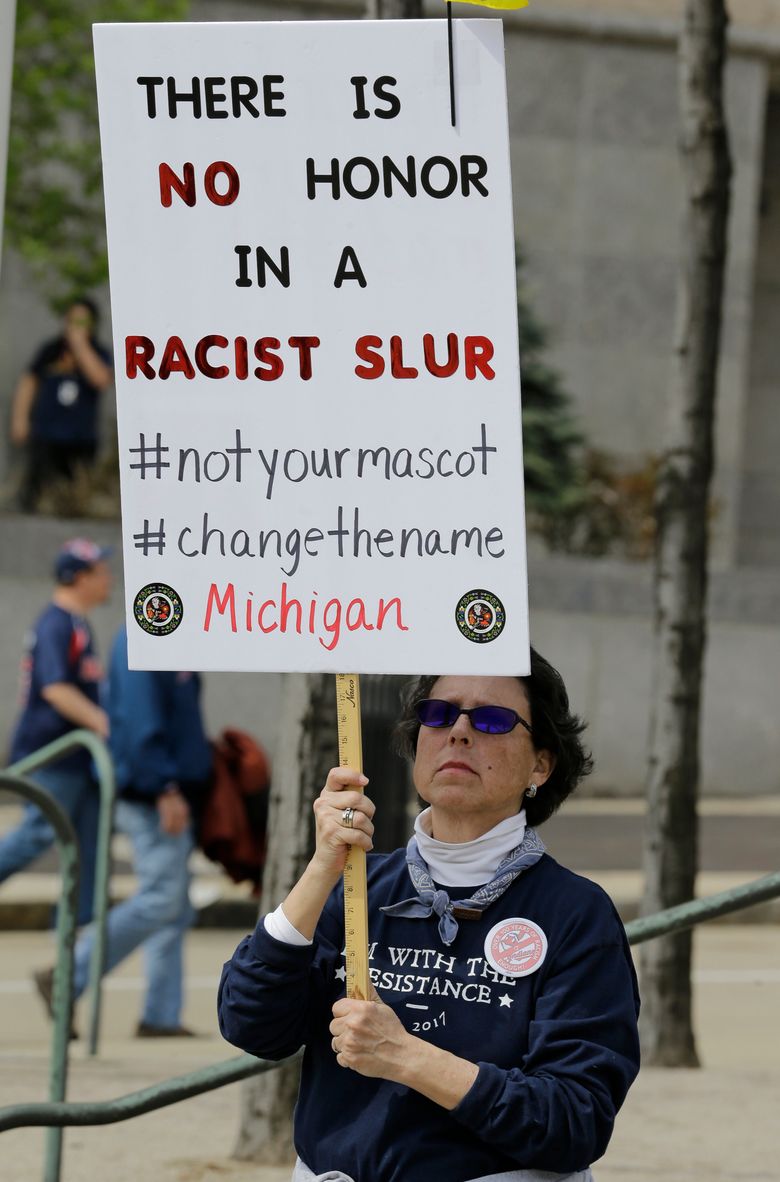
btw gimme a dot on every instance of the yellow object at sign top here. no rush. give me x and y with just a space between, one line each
496 3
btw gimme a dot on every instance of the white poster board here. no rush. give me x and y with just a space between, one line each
313 300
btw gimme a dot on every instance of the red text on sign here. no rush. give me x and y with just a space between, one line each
477 355
223 193
177 358
216 356
286 614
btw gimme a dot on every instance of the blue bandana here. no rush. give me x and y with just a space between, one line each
431 901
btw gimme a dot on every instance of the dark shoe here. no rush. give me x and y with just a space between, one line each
43 980
144 1030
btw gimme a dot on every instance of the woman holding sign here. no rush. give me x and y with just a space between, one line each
502 1037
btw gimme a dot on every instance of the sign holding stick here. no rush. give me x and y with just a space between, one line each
355 893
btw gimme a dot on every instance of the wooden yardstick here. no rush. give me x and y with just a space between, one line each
355 892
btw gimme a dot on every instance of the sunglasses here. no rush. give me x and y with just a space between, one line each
488 720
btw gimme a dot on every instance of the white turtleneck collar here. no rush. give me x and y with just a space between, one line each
468 863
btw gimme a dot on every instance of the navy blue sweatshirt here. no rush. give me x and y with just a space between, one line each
557 1049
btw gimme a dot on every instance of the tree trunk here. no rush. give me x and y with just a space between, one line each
307 750
395 10
680 586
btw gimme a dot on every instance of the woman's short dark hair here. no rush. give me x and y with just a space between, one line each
554 728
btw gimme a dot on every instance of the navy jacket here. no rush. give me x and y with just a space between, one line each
60 649
157 734
557 1049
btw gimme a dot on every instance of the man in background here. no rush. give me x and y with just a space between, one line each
163 762
60 693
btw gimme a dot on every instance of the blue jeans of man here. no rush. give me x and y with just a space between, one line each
78 795
157 916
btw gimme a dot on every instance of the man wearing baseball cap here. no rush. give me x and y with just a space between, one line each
60 693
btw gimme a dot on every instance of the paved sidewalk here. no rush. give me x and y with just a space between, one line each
712 1125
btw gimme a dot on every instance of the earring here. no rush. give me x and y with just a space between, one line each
532 790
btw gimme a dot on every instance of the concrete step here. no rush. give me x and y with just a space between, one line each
27 898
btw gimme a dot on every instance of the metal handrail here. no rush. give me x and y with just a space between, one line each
106 785
686 915
170 1091
65 836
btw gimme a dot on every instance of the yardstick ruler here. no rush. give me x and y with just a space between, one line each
355 892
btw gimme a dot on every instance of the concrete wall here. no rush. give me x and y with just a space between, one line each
744 14
594 621
759 501
597 200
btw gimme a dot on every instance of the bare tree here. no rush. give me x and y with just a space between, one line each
307 750
680 584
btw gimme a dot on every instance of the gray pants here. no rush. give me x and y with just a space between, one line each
302 1173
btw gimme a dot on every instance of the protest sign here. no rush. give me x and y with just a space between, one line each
313 302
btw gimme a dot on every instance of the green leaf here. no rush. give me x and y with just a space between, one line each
54 203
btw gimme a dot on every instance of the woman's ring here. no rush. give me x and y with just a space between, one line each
347 817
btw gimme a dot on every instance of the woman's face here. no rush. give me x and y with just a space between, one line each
472 781
78 316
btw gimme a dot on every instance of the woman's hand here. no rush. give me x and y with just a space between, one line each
174 812
370 1038
77 335
85 357
342 792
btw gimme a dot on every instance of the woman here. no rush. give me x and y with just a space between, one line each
502 1040
56 403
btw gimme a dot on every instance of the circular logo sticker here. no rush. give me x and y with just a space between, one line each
515 947
158 609
67 392
480 616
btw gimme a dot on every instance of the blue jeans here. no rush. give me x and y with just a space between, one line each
78 795
157 916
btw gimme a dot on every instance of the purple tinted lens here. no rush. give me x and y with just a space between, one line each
435 712
493 720
490 720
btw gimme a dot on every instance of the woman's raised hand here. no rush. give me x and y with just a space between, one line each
343 818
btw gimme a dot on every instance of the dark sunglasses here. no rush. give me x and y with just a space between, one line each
489 720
